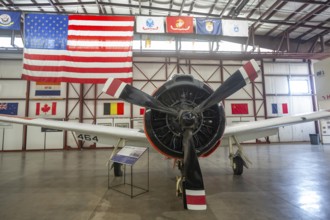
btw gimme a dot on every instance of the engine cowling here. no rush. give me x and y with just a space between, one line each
164 131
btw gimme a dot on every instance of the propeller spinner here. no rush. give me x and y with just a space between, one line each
185 120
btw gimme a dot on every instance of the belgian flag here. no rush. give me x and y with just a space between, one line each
113 108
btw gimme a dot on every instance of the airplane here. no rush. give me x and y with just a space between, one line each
184 120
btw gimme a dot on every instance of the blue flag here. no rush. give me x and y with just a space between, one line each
209 26
10 20
8 108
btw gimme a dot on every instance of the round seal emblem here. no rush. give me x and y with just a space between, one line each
5 19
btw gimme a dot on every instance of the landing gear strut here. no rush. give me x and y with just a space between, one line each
238 160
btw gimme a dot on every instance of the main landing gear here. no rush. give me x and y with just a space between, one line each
238 160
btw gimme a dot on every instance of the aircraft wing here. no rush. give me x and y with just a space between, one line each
86 132
256 129
106 134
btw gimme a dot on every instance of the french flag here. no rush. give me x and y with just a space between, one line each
280 108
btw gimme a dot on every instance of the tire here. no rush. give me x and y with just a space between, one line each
117 169
238 165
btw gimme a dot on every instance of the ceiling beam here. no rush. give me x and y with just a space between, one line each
306 18
278 7
288 18
312 29
55 7
225 8
255 8
239 8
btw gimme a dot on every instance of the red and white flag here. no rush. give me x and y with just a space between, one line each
46 108
77 48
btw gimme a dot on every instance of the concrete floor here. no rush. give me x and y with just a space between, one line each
284 182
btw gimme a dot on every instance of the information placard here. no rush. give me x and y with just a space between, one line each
128 155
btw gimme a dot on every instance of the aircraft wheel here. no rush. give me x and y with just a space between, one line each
117 169
238 165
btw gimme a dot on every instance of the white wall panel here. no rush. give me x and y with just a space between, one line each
13 137
10 68
6 89
276 85
298 68
276 68
54 140
35 138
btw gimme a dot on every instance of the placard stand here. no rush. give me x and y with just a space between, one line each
129 156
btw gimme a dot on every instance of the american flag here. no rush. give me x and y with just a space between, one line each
77 48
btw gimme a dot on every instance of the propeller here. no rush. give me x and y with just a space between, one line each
128 93
193 186
235 82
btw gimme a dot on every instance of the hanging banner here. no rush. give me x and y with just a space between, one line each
280 109
208 26
8 108
239 109
179 24
46 108
10 20
235 28
48 89
145 24
77 48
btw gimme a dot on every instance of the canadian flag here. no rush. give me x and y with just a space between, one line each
46 108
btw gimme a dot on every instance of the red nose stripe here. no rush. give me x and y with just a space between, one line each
251 71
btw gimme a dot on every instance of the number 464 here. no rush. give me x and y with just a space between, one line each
87 137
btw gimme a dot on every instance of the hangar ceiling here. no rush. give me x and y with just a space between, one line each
298 28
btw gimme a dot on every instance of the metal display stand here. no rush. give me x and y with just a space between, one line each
127 157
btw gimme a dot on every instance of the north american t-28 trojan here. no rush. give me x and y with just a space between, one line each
184 120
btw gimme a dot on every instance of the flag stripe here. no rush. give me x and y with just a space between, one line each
106 44
120 108
53 108
106 108
72 79
76 69
79 53
100 23
274 108
101 38
80 75
105 49
48 83
48 93
85 65
101 18
285 108
76 58
37 108
100 33
100 28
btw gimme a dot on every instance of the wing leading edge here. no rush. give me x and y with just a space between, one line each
103 133
256 127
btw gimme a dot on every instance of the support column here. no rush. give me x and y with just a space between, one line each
27 106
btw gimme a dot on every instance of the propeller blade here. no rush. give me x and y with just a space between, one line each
235 82
193 182
128 93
